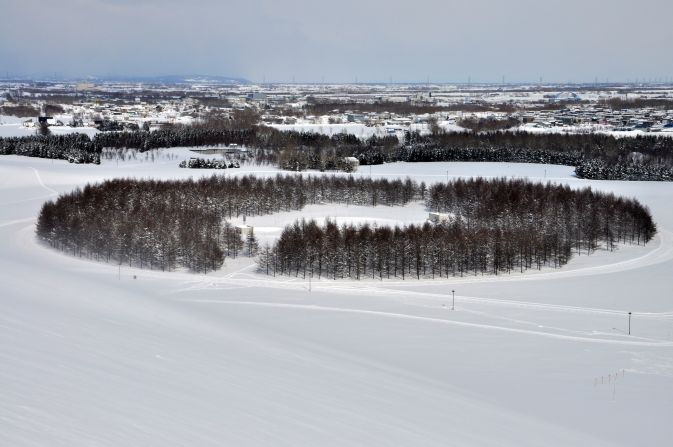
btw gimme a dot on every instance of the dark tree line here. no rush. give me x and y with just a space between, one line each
171 224
303 151
173 137
596 156
291 150
585 217
324 107
20 110
488 124
637 103
573 146
76 147
600 170
205 163
496 226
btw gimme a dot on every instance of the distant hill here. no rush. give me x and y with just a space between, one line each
162 79
175 79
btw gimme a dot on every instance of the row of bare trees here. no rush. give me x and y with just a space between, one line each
493 227
416 251
184 223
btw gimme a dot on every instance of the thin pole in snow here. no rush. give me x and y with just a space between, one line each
453 300
629 323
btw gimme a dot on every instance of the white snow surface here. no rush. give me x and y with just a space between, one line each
90 358
11 126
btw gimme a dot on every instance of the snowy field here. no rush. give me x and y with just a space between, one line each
93 357
11 126
364 131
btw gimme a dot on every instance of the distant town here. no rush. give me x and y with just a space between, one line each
360 109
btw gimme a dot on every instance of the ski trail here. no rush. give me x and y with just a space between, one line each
39 180
16 221
433 320
532 305
31 199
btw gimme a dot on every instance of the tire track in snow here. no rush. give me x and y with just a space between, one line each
662 253
531 305
39 180
433 320
17 221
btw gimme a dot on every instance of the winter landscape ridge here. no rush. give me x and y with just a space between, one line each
97 354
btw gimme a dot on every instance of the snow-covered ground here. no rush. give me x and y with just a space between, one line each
11 126
363 131
93 357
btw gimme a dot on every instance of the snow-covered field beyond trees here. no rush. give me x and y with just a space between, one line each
91 356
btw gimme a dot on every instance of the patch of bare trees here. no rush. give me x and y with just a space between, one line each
170 224
637 103
487 124
20 110
497 226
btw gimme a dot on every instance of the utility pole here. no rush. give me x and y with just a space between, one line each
629 323
453 300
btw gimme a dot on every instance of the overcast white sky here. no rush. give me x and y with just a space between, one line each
371 40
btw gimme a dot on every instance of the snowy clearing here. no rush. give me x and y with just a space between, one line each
92 356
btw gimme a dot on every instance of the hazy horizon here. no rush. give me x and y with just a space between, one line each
376 41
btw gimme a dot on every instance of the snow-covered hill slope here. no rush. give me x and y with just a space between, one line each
91 356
